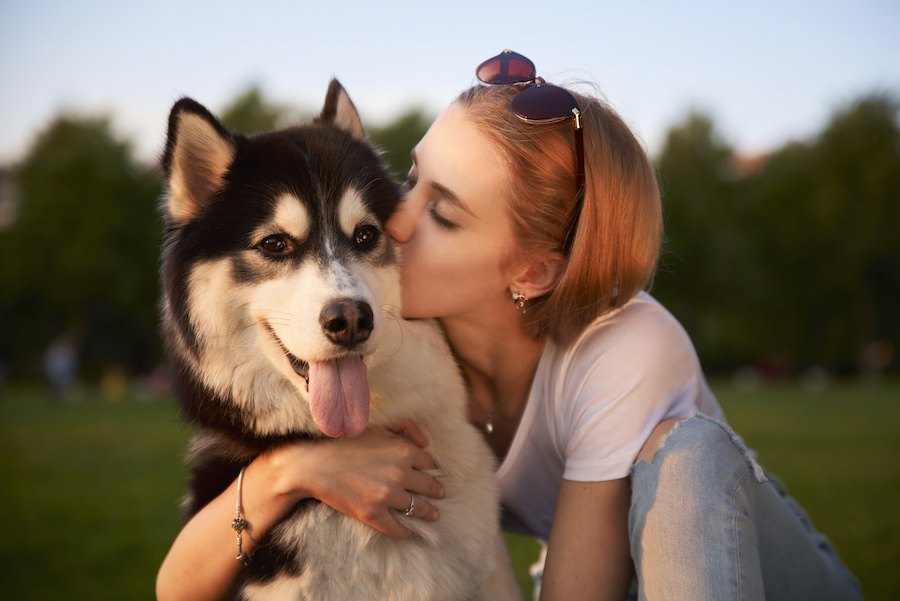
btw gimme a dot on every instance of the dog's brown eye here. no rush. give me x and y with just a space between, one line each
275 245
366 236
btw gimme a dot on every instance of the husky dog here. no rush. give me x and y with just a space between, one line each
281 315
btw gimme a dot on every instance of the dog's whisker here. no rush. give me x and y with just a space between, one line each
370 183
385 310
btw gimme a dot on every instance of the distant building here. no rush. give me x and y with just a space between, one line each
9 197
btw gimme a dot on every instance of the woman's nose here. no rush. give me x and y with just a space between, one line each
402 223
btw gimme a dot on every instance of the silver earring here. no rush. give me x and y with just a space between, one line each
520 301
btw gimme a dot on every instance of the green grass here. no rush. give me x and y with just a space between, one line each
90 489
838 452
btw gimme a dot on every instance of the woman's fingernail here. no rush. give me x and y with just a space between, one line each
434 515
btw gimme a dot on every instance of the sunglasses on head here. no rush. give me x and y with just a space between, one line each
541 103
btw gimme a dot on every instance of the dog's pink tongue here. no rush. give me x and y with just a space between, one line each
339 396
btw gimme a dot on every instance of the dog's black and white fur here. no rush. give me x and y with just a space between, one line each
280 313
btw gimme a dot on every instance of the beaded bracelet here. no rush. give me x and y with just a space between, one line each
239 524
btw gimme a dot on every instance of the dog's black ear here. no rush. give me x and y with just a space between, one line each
340 111
199 151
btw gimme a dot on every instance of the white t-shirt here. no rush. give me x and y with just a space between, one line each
593 404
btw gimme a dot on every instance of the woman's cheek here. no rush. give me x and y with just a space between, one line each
411 285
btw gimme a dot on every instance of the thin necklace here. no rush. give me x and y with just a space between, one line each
489 424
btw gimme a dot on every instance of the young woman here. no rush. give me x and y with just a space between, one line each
530 228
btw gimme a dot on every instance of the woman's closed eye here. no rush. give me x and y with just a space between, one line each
439 219
438 204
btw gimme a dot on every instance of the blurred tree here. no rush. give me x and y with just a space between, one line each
81 256
797 259
828 215
704 256
397 139
787 249
251 112
860 192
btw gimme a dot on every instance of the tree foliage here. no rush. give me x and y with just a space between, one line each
81 256
397 139
799 259
699 193
251 112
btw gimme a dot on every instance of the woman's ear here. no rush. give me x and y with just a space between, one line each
539 274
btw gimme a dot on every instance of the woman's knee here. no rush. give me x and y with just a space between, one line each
686 487
688 464
699 444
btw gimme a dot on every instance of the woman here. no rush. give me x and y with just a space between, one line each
530 226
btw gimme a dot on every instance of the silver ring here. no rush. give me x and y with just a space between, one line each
412 504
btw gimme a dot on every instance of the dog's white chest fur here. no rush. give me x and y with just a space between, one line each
342 559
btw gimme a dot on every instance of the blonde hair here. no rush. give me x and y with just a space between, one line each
617 242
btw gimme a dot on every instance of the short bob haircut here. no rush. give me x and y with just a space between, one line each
616 245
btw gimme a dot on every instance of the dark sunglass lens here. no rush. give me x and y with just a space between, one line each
506 67
545 103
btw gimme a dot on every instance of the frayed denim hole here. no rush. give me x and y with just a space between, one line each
662 445
758 473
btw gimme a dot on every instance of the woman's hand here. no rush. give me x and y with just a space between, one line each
363 477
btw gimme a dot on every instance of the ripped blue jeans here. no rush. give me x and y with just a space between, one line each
707 524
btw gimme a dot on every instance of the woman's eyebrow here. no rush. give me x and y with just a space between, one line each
444 191
451 197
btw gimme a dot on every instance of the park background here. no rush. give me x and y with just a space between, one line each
773 126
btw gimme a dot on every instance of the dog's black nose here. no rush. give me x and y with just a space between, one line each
347 321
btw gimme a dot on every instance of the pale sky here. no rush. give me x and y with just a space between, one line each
766 71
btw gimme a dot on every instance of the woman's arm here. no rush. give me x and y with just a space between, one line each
202 564
362 477
588 554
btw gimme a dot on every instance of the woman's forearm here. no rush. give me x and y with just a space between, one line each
364 477
588 553
202 562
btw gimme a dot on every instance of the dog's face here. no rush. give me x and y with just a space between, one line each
279 280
